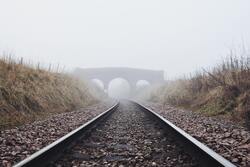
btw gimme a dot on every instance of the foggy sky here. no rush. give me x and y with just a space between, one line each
178 36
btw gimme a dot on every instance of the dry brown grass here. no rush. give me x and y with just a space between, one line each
28 94
224 89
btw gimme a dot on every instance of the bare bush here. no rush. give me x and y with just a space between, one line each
223 89
28 94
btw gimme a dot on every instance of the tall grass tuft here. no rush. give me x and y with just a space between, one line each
224 89
30 92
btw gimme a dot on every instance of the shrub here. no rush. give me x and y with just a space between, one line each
223 89
28 94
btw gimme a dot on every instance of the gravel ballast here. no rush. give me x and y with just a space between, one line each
18 143
223 136
129 137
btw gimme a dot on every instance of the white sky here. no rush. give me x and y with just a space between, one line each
176 35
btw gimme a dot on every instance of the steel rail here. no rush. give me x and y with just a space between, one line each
203 154
51 152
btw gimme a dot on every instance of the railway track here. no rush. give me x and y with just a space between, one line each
128 134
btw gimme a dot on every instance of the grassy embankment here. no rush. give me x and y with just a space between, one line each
28 94
222 90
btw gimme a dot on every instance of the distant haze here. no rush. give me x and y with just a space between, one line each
177 36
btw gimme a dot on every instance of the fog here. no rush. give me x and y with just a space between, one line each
98 83
176 36
119 88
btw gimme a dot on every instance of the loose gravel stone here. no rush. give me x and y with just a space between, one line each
223 136
129 137
18 143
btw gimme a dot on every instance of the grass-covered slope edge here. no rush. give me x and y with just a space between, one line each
28 94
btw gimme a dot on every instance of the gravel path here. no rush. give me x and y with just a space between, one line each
128 138
18 143
227 139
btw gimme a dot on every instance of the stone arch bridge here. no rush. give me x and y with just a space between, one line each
132 75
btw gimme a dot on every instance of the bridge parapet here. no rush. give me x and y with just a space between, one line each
132 75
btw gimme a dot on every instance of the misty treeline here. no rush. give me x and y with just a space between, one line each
223 89
29 93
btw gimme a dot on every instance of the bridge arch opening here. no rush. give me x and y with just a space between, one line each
119 88
98 83
142 84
